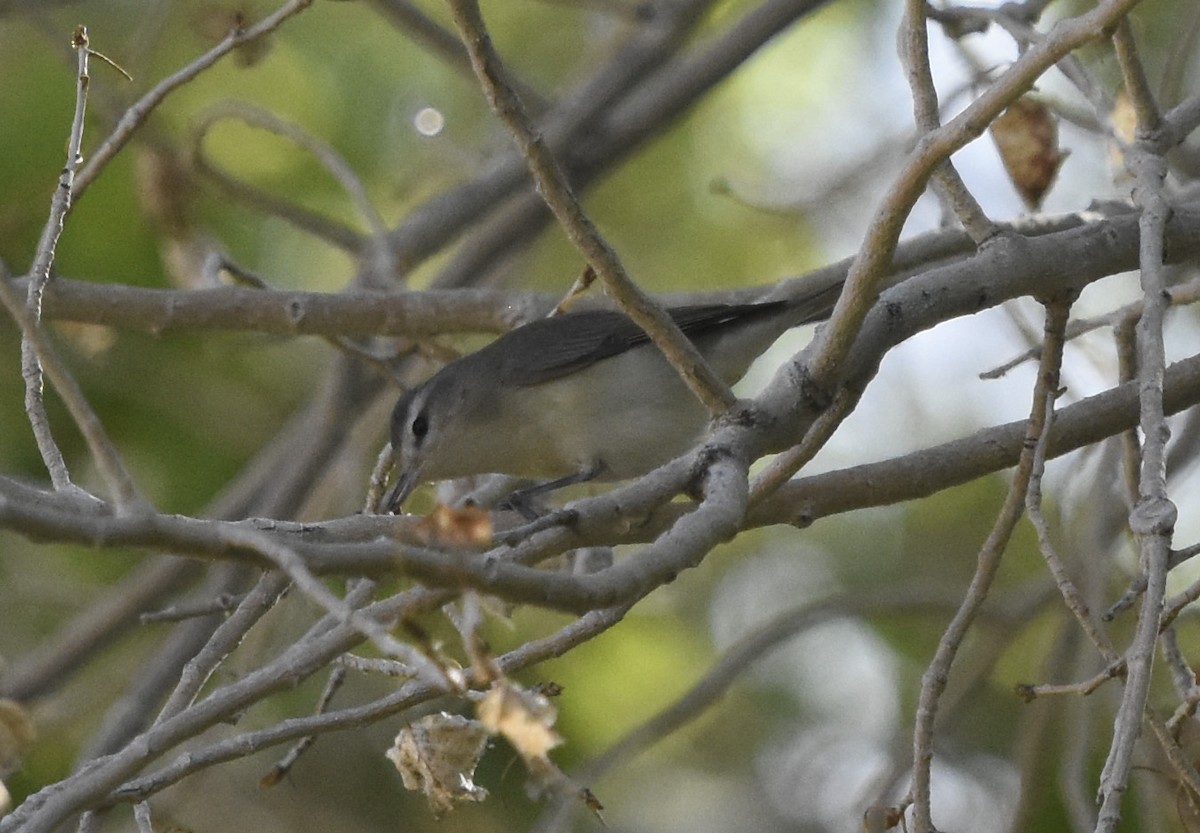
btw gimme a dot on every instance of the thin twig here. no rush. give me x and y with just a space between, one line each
1111 671
37 356
1183 554
787 463
1136 84
1180 760
321 226
833 343
39 274
89 822
45 359
284 765
227 636
933 681
67 189
322 152
1183 678
1080 741
223 603
1125 340
1184 293
914 49
385 461
1177 604
1022 29
293 566
423 29
382 263
1153 519
1137 586
634 96
137 113
141 815
151 683
1057 315
342 343
376 665
409 694
554 188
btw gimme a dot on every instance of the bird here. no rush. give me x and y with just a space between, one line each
585 395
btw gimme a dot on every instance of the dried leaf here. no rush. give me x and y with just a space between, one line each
878 818
438 755
1026 135
446 527
524 718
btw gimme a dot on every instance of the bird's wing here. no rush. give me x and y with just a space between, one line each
554 347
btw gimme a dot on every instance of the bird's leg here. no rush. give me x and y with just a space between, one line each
521 499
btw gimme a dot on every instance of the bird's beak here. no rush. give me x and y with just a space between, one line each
406 481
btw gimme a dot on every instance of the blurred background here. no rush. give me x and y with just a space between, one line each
773 172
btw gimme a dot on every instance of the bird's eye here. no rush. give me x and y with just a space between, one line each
420 426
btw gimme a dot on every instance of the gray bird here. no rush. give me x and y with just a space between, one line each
580 396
